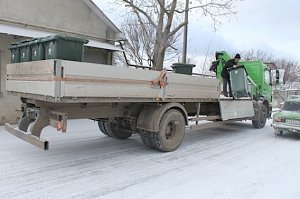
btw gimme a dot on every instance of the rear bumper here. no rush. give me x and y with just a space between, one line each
27 137
285 127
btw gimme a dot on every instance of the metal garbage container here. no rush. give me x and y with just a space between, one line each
25 50
37 50
183 68
64 47
15 52
239 82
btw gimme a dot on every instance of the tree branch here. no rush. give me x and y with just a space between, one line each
131 4
177 29
162 6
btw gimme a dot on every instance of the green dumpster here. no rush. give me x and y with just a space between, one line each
15 52
64 47
183 68
37 50
25 51
239 82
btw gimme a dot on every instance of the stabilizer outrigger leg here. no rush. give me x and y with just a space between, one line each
28 137
24 123
33 136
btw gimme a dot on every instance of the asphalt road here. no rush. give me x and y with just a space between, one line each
230 161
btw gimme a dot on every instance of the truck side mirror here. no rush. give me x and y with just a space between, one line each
277 76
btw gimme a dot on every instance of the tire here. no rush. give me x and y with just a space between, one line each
278 132
146 138
262 118
171 132
102 128
114 130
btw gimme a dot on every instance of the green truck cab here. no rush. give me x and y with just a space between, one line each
288 118
258 79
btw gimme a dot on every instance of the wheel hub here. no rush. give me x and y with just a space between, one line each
171 129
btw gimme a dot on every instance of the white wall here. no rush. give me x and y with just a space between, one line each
72 16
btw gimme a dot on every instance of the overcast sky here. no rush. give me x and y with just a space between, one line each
269 25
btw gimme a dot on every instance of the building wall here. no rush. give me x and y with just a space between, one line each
70 16
9 105
98 56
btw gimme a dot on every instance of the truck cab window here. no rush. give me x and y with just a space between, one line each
267 77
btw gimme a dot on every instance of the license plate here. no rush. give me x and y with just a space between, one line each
293 121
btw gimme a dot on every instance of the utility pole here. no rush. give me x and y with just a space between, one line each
185 32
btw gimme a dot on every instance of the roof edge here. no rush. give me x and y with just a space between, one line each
100 14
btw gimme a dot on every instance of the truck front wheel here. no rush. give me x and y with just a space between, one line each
262 118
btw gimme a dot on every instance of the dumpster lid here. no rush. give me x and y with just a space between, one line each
20 43
64 37
14 45
182 65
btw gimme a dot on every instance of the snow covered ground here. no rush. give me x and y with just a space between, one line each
233 161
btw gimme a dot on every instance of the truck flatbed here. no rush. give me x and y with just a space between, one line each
157 105
78 82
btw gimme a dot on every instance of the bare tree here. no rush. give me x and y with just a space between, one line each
139 46
291 67
257 55
166 19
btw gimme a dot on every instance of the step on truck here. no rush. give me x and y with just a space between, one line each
157 105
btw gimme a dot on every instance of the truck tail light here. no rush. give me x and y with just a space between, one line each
278 119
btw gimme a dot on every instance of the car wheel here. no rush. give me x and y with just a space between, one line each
278 133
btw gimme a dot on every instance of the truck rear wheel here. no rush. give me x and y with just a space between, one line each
102 128
171 132
262 118
116 131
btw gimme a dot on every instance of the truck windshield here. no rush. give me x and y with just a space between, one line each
291 106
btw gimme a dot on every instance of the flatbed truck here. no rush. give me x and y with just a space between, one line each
157 105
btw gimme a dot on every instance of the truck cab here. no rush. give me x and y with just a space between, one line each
259 74
258 77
